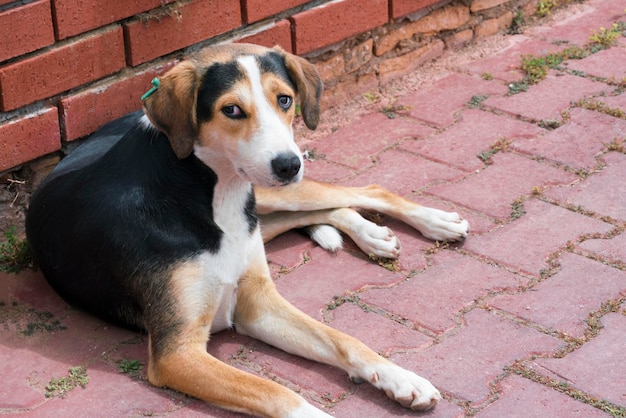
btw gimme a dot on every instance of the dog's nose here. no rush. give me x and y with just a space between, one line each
286 165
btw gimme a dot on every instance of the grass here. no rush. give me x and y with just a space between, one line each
130 367
502 144
15 254
43 322
59 388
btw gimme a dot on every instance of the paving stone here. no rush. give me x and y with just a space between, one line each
327 171
367 401
603 192
474 132
505 65
614 102
464 363
355 144
458 90
567 146
547 99
608 64
414 173
614 248
564 301
313 285
381 334
596 368
289 250
493 190
525 243
522 397
434 298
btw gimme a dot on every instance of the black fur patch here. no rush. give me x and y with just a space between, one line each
273 62
218 79
250 212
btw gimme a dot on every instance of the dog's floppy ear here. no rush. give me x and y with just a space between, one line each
309 85
171 107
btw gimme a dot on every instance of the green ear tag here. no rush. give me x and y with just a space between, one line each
155 83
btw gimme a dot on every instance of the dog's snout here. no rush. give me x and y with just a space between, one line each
286 166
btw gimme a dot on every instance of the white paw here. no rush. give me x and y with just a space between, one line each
326 236
440 225
376 240
405 387
306 410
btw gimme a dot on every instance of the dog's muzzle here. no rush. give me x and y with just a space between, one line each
286 166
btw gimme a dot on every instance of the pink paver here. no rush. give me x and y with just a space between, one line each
603 193
493 190
413 174
567 146
536 105
597 367
464 363
458 90
608 64
525 243
434 298
361 140
519 396
474 132
563 301
614 248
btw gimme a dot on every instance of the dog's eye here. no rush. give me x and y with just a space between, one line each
284 102
233 112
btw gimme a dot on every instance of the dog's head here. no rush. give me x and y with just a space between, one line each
236 103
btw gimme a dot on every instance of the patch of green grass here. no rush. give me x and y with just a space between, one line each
77 376
486 76
130 367
517 209
15 254
605 38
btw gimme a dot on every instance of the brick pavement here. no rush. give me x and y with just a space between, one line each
526 318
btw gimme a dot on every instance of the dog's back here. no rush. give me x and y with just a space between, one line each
131 198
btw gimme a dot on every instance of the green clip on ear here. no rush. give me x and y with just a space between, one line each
155 83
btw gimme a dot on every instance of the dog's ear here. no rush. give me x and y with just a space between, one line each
309 84
171 107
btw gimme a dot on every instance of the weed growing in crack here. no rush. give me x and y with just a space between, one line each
502 144
15 254
476 101
129 367
59 388
517 209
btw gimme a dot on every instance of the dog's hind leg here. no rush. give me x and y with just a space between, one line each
263 314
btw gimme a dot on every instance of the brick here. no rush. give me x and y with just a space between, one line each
607 64
400 8
278 33
62 68
437 299
525 243
603 192
332 68
459 39
459 145
25 29
255 10
568 147
492 26
464 364
348 89
478 5
396 67
519 394
29 137
493 190
596 368
84 112
152 36
341 20
535 104
446 18
563 301
458 88
71 19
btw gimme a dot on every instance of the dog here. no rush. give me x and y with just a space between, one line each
153 224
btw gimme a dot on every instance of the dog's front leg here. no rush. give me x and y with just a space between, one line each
263 314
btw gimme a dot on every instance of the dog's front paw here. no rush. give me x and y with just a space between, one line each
440 225
405 387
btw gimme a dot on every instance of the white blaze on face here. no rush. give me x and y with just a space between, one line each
272 134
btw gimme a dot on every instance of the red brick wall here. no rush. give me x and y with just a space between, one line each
68 67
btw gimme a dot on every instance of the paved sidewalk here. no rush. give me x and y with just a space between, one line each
527 318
